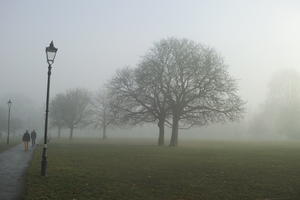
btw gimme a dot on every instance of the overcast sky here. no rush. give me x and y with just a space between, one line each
96 37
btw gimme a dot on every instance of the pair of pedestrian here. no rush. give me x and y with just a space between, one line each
27 137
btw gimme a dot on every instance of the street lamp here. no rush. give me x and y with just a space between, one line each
9 103
50 53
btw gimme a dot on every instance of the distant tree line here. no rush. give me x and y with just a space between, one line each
280 112
178 83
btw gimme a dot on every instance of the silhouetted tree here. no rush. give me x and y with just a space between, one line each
200 90
151 79
104 114
74 108
56 112
181 79
138 98
192 81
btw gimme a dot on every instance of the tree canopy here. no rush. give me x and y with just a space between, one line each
71 109
180 82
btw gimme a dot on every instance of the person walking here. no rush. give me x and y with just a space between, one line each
26 140
33 137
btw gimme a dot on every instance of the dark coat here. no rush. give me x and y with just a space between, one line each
26 137
33 135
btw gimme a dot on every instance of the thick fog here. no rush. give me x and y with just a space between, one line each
95 38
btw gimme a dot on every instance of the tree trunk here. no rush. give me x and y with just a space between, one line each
71 133
104 124
161 136
174 136
59 131
104 132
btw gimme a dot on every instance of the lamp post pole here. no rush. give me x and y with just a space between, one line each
8 121
44 154
50 52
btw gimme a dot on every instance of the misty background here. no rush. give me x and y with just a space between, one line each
257 39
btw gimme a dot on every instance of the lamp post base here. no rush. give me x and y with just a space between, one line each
44 162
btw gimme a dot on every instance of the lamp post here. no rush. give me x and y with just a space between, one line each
50 53
9 103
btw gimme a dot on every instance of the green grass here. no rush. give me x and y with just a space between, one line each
197 170
4 146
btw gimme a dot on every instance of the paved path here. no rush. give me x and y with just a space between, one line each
13 163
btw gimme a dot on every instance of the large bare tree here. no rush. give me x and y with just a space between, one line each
151 79
193 83
178 79
201 91
136 102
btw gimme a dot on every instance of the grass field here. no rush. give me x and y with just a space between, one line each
4 146
200 170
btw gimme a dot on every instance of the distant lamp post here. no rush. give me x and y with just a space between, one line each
9 103
50 53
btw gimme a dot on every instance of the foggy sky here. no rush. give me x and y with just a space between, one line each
96 37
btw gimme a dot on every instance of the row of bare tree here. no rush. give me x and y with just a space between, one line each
178 83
